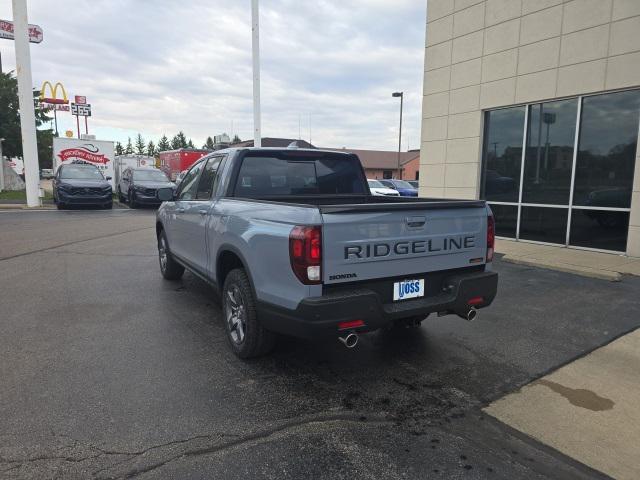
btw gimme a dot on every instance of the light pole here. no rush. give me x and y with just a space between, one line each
255 44
1 166
401 95
25 102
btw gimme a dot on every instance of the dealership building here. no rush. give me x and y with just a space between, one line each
534 105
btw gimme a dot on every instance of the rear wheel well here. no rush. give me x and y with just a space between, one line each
227 261
159 229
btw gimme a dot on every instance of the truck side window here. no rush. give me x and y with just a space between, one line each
208 178
189 184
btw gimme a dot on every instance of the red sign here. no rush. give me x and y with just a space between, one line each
83 154
6 31
81 100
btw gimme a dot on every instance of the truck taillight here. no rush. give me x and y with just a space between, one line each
305 253
491 237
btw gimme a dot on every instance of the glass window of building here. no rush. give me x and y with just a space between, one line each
503 154
530 191
551 131
607 150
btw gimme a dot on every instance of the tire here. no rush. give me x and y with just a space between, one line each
108 206
247 337
121 198
132 200
169 268
60 206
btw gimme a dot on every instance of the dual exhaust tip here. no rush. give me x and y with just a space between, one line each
350 340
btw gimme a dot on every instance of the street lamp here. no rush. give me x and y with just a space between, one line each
401 95
1 166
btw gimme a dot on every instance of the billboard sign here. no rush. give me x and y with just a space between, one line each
6 31
95 152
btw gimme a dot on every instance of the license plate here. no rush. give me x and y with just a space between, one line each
408 289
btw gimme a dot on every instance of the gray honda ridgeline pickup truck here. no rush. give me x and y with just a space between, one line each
294 243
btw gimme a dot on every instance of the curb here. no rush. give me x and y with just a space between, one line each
564 267
22 206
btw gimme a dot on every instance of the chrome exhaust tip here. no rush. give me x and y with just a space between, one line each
350 340
472 314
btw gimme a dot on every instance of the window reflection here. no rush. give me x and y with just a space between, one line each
549 155
506 217
601 229
544 224
607 149
502 154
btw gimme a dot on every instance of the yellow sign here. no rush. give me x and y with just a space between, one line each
54 93
69 133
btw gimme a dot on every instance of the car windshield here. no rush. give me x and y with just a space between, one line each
150 176
402 184
375 184
299 173
79 172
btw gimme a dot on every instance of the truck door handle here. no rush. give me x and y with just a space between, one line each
180 210
202 212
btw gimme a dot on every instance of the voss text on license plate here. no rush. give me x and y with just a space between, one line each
408 289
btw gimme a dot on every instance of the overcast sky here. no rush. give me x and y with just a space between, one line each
158 66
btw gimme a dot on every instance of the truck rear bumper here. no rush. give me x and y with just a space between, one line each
319 317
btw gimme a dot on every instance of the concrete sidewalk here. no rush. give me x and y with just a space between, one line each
586 409
606 266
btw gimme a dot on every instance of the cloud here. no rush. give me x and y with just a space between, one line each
161 66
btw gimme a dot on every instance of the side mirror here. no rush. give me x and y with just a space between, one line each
166 194
107 178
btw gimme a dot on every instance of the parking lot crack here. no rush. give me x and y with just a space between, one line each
242 441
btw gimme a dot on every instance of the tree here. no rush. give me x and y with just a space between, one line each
236 139
179 141
151 149
119 150
190 144
163 144
129 148
208 145
140 145
10 122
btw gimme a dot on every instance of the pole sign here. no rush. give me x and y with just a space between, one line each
94 152
81 110
52 91
6 31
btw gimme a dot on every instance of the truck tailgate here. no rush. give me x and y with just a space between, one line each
379 243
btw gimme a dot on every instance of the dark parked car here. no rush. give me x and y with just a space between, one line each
144 186
404 188
81 184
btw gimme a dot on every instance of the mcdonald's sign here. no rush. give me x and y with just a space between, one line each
53 91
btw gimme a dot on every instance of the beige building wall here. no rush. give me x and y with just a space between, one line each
483 54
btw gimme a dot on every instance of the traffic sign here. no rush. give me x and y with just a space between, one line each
6 31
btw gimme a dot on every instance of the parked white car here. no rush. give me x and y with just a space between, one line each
379 189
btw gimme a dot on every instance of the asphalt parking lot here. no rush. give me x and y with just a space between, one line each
108 371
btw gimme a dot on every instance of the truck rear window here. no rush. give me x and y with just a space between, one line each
301 173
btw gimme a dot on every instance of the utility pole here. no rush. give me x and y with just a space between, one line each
1 166
25 101
255 44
